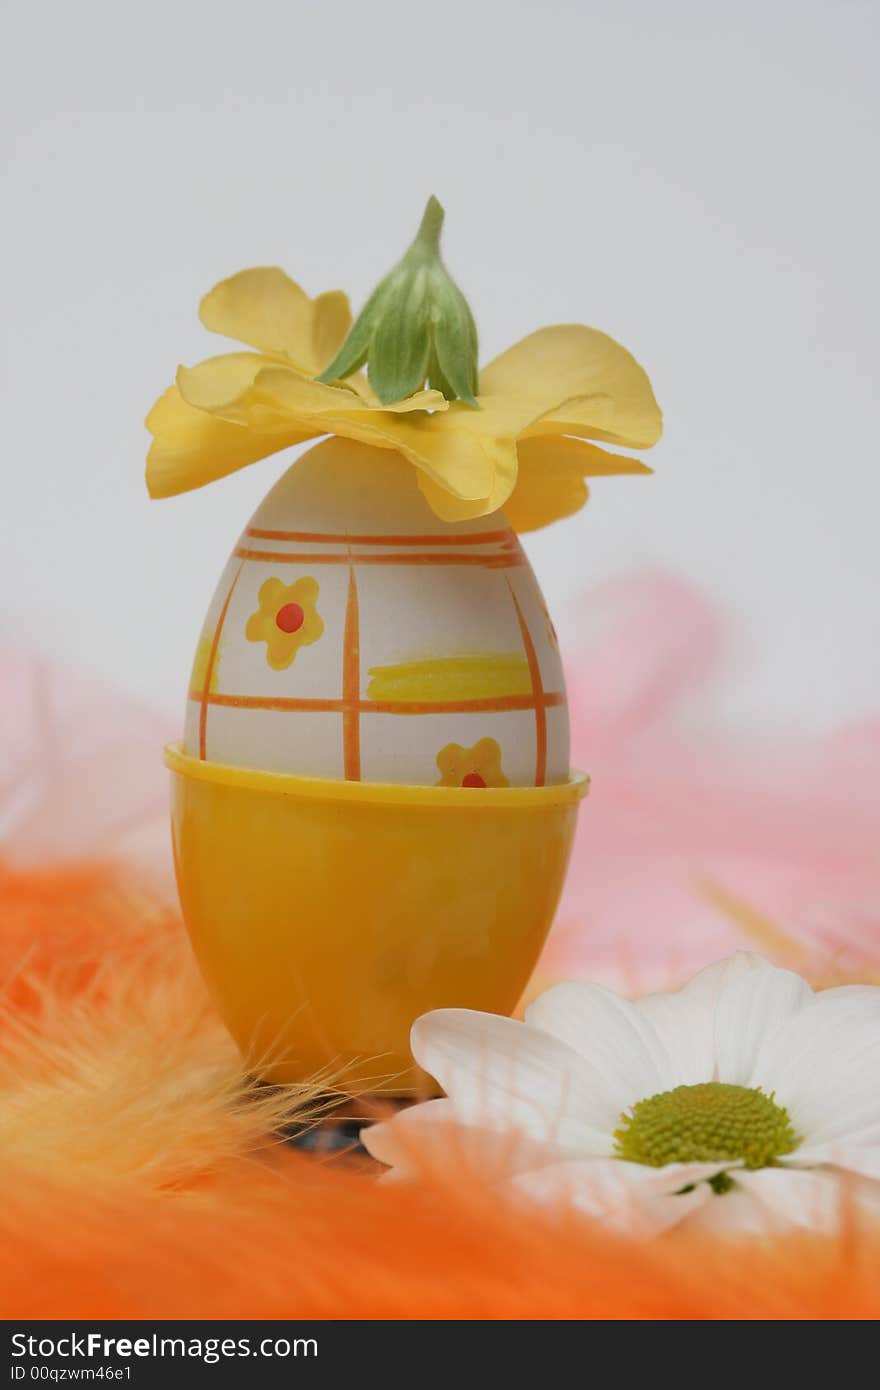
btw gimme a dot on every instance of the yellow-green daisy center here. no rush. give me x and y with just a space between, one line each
704 1124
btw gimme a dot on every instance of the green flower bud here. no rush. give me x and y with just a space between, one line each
416 327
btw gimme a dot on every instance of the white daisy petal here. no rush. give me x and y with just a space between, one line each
734 1213
629 1197
426 1138
708 983
750 1010
500 1074
534 1105
767 1201
849 1155
392 1141
813 1200
684 1020
684 1026
611 1034
823 1065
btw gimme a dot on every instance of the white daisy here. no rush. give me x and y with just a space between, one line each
744 1100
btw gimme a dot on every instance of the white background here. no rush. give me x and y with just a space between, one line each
698 179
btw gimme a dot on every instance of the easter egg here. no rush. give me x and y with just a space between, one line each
354 636
372 807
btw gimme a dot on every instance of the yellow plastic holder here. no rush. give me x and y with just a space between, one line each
327 916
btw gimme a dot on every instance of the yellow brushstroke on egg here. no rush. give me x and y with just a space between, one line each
202 661
439 678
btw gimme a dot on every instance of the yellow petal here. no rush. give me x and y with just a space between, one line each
332 320
431 400
494 427
596 463
219 383
269 597
550 483
457 459
578 381
290 390
264 308
421 400
191 448
501 457
460 463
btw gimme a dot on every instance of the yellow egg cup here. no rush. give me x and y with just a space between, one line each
327 916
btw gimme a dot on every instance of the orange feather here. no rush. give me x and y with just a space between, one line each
143 1178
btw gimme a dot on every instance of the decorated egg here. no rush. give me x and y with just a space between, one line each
372 805
354 635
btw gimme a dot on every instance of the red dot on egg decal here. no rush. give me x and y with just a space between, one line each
472 779
290 618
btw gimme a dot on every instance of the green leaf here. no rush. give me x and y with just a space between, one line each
398 361
353 353
415 327
455 337
436 380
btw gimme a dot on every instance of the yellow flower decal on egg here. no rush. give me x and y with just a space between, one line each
286 620
479 766
522 433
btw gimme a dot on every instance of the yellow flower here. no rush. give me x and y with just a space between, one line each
286 620
479 766
528 447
